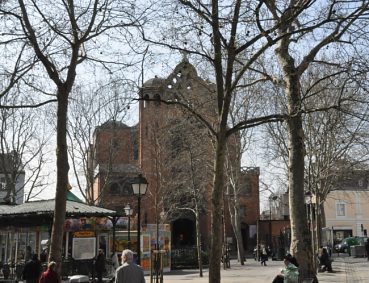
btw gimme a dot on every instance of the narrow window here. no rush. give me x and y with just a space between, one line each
341 209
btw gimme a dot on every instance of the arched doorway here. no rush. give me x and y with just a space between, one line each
183 233
245 232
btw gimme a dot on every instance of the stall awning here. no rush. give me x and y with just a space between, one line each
42 211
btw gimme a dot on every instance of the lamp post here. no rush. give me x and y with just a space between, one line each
309 215
272 197
129 211
139 186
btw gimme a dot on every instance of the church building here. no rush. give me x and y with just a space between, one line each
173 150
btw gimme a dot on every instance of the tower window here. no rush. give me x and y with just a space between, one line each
146 100
157 99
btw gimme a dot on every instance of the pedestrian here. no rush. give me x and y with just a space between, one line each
255 253
263 257
129 272
290 273
367 248
50 275
325 262
32 270
28 255
99 265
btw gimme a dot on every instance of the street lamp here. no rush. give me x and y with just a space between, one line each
309 215
158 272
129 211
272 197
139 186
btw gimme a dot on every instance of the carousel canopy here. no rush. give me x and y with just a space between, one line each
42 211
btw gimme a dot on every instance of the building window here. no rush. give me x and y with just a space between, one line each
157 99
134 144
121 186
246 186
146 100
341 209
242 210
114 188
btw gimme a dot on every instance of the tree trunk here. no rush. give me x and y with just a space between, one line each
238 234
300 236
236 224
198 242
217 196
301 245
61 181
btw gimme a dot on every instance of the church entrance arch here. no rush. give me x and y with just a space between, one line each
183 233
245 232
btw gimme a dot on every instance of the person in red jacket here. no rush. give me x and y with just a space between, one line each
50 275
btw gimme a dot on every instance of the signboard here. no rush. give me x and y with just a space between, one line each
84 248
84 234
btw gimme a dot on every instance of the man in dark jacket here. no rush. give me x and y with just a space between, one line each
32 270
100 265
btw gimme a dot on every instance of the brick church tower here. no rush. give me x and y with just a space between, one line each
174 152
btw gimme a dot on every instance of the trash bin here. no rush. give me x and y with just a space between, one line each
358 251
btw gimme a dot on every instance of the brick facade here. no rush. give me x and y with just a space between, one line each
165 137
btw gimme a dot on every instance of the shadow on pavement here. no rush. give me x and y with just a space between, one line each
182 272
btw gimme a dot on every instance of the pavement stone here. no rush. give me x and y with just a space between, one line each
345 270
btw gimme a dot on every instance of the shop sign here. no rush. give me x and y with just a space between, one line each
84 234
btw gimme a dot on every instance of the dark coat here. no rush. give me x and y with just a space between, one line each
129 273
100 263
32 270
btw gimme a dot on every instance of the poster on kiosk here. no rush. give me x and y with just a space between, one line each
84 245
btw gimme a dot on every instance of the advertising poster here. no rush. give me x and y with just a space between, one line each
145 253
84 248
164 241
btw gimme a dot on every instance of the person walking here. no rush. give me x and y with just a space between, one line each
100 265
32 270
263 257
50 275
367 248
129 272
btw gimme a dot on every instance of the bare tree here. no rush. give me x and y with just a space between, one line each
238 145
62 35
189 164
86 114
234 39
331 136
233 191
22 149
